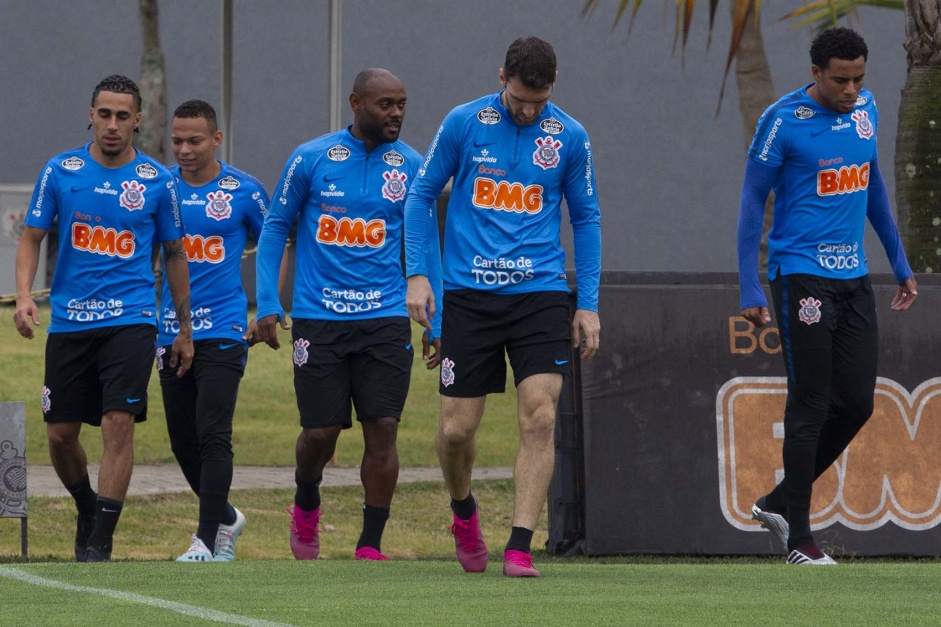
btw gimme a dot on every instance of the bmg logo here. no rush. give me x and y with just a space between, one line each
889 473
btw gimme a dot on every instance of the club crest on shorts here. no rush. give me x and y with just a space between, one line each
810 310
218 207
546 154
132 198
863 125
160 351
46 401
394 187
447 372
300 351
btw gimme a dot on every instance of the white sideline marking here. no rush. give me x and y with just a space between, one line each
179 608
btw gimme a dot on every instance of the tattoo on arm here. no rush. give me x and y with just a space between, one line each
183 313
174 249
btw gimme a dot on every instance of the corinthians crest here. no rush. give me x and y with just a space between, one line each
132 198
809 311
218 207
863 125
300 351
394 188
547 152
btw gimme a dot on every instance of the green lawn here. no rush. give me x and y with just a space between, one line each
266 422
345 592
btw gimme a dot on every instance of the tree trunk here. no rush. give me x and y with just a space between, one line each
918 142
153 87
755 94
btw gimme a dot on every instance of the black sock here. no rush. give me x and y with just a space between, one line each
520 539
307 495
229 517
85 497
107 512
464 508
374 523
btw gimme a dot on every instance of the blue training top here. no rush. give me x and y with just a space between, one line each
823 167
109 221
505 210
350 207
218 216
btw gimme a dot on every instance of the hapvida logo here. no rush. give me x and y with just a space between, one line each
889 473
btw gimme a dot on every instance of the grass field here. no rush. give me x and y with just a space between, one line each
438 592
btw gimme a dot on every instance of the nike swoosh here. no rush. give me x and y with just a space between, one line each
79 188
129 400
482 144
408 346
561 362
110 511
327 178
818 132
223 347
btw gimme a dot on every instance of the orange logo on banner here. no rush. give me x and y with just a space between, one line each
198 248
889 473
102 241
351 232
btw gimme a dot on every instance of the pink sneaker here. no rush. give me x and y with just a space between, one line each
469 544
305 543
370 554
518 564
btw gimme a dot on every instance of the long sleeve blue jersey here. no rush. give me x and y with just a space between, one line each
218 216
109 220
823 167
504 215
350 206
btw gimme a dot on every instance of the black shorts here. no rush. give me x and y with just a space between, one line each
534 329
89 373
339 365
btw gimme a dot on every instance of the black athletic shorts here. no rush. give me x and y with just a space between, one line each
339 365
89 373
534 329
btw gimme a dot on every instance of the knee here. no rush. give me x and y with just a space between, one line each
61 438
317 438
539 425
455 432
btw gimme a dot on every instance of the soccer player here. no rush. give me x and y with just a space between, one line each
113 204
514 156
351 332
816 147
221 206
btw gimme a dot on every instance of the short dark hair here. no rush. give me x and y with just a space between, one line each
197 109
837 43
118 84
532 61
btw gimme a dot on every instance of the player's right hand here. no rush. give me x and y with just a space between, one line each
26 312
267 330
420 300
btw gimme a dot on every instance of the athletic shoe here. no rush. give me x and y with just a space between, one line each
83 528
99 553
370 554
775 523
226 537
798 557
518 564
305 541
469 544
198 552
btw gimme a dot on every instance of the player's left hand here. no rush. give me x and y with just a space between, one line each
253 337
905 296
586 332
182 353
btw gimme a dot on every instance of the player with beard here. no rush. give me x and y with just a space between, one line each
351 333
113 204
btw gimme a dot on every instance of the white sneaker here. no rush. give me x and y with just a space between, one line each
775 523
198 552
226 537
802 559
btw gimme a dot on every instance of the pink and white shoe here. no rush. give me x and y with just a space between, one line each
305 533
